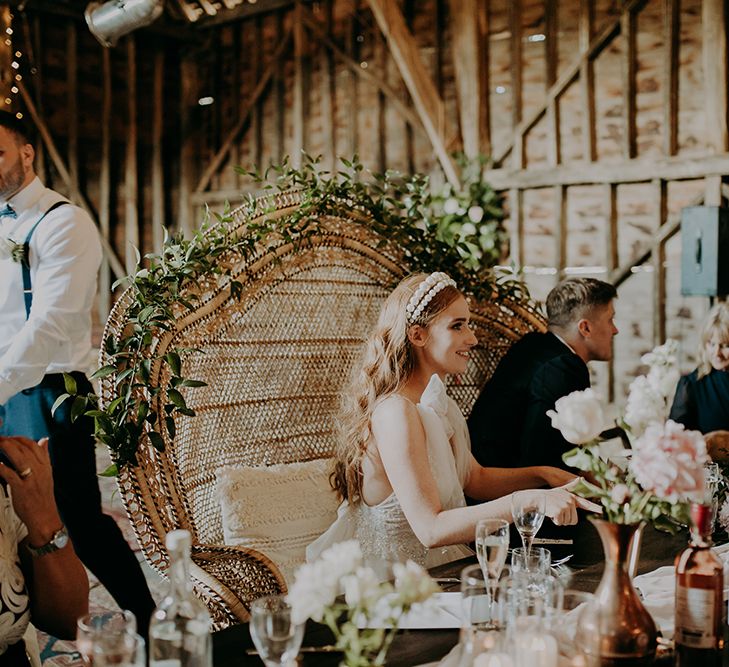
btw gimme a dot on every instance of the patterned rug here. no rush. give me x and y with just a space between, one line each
60 653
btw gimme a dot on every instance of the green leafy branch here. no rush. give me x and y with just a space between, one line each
636 506
169 285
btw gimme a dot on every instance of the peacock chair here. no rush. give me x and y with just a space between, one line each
275 359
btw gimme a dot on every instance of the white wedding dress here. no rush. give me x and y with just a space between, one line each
383 530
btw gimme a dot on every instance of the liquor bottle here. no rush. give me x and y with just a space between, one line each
699 589
179 632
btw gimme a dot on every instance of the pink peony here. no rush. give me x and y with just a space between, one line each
669 461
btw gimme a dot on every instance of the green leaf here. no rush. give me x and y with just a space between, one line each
156 440
176 398
70 384
171 428
174 362
78 407
111 471
193 383
104 371
58 402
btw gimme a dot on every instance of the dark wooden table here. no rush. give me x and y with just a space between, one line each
414 647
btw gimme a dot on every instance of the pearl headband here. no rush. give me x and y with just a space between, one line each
425 292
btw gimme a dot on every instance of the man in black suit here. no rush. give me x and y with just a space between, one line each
509 426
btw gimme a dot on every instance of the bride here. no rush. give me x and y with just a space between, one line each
404 462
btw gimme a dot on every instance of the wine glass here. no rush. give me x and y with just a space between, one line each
527 510
492 545
275 634
103 633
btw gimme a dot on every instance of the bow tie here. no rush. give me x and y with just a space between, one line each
8 212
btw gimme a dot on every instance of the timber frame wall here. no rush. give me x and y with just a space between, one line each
603 117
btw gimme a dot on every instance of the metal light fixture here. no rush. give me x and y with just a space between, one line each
110 20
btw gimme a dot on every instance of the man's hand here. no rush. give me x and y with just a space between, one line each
31 485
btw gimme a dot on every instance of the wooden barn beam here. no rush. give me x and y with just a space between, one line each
158 194
72 99
188 148
587 81
299 110
116 266
484 81
105 182
327 91
405 111
670 227
629 66
658 259
244 12
571 72
425 97
131 190
551 59
251 102
714 49
516 68
464 28
630 171
671 27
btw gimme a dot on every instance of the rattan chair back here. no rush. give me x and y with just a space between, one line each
275 361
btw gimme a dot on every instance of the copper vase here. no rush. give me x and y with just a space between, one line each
627 632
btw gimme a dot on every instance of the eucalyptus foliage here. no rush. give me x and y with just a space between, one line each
166 286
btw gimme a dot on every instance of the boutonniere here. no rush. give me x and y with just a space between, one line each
10 249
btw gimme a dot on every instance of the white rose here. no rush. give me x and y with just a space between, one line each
578 416
6 248
475 214
412 583
644 406
361 589
450 206
312 592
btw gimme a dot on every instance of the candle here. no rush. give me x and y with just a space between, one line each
536 650
493 659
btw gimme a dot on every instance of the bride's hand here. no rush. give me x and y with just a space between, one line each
561 506
555 477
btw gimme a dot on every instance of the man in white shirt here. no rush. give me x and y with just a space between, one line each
49 258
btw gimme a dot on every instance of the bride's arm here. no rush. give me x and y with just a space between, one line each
488 483
400 439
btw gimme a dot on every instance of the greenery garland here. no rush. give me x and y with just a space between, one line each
438 232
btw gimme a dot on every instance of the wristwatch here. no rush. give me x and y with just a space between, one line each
58 541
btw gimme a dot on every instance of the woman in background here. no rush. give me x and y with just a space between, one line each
701 402
404 459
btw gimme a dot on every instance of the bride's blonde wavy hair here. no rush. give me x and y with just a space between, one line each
386 365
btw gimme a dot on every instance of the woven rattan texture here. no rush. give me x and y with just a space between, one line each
275 362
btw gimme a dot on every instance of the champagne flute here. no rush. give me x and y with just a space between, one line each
275 634
492 545
527 510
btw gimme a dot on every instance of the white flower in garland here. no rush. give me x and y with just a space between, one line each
10 249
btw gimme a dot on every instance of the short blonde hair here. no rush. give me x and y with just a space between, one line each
715 324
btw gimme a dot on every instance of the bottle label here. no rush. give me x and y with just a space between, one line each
695 617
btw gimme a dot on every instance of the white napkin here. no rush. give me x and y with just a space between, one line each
442 610
658 589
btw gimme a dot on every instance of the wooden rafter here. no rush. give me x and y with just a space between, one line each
600 42
116 266
425 97
714 51
392 96
250 104
630 171
464 21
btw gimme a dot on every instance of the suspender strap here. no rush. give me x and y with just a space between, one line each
25 264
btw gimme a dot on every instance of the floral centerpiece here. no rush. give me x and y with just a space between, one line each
664 470
365 619
655 482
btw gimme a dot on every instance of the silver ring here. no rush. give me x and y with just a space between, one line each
24 474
